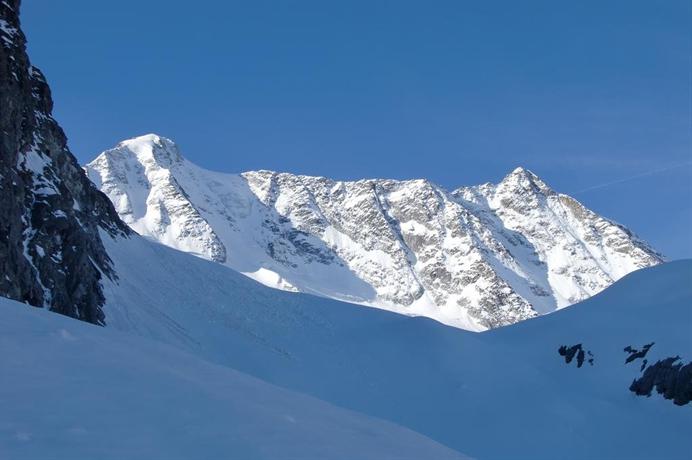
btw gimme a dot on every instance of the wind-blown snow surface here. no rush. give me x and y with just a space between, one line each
69 390
500 394
477 258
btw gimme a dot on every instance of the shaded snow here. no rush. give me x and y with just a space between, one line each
69 390
462 389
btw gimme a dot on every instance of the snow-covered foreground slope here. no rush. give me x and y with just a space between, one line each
500 394
477 258
69 390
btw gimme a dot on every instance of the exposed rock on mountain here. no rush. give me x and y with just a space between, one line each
575 350
476 258
51 254
670 377
634 354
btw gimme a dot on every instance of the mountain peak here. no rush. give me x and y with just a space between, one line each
523 178
150 147
521 172
151 138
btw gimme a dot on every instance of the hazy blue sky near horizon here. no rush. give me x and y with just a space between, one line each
595 97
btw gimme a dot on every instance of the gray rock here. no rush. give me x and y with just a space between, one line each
634 354
51 254
575 350
670 377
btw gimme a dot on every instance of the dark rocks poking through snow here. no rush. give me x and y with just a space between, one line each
570 352
670 377
637 354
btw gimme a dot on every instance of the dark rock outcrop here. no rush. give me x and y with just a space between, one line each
51 253
575 350
637 354
670 377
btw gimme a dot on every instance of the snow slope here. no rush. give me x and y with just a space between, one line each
477 258
69 390
499 394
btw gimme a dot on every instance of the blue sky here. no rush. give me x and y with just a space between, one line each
592 96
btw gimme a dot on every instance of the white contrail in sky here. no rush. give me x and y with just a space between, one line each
636 176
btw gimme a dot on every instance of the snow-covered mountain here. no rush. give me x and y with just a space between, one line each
506 393
199 361
476 258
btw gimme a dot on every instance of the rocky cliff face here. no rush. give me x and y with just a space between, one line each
477 258
51 254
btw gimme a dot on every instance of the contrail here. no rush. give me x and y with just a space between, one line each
636 176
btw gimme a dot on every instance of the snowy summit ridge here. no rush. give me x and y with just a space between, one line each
477 258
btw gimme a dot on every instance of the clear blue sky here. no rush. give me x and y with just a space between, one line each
583 93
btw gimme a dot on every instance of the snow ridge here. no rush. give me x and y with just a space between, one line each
476 258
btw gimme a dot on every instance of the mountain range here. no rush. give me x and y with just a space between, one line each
114 345
476 258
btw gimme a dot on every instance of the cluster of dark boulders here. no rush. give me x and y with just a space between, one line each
670 377
575 350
